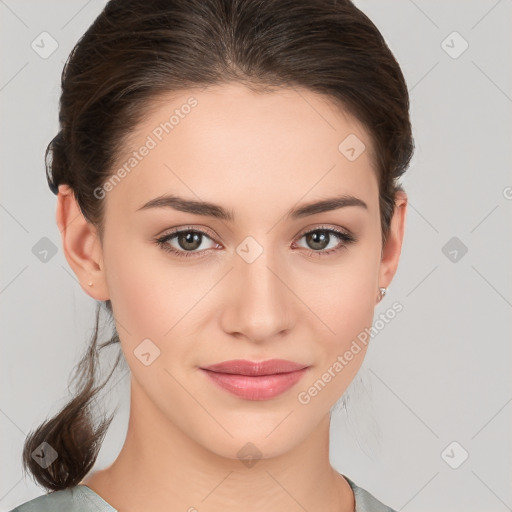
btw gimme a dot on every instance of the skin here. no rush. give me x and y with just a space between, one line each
259 155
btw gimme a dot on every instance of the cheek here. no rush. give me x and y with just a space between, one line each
347 308
152 297
342 348
146 305
135 289
348 296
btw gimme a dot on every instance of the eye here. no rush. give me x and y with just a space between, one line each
189 240
321 237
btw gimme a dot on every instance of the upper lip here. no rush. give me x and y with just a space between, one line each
244 367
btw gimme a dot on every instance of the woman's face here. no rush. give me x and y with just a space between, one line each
262 284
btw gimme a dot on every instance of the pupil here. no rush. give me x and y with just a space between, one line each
192 239
319 239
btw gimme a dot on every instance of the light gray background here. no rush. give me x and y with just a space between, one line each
438 373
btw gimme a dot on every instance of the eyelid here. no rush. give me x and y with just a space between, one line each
345 237
304 231
187 227
318 227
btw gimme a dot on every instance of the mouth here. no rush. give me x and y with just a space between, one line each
256 380
256 368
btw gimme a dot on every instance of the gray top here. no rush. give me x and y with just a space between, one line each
81 498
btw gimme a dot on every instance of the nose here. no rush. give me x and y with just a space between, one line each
260 303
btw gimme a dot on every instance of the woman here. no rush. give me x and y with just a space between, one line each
226 175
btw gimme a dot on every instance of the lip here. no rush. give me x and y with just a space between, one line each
259 380
256 368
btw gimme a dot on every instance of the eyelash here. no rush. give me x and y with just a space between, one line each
345 240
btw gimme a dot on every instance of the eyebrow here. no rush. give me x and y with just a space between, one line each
213 210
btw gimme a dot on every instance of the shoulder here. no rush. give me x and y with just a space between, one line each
366 502
74 499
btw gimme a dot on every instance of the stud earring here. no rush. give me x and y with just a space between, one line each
382 293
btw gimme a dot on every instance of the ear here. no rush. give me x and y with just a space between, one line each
393 246
81 245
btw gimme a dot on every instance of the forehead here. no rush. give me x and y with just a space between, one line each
230 145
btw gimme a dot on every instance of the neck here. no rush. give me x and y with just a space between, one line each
161 469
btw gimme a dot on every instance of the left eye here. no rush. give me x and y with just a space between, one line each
189 240
320 239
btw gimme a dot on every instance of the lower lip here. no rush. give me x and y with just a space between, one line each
260 387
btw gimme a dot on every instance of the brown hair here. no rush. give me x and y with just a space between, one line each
136 51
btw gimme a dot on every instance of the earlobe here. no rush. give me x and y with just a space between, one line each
81 245
393 246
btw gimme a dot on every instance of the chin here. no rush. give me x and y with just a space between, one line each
253 443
